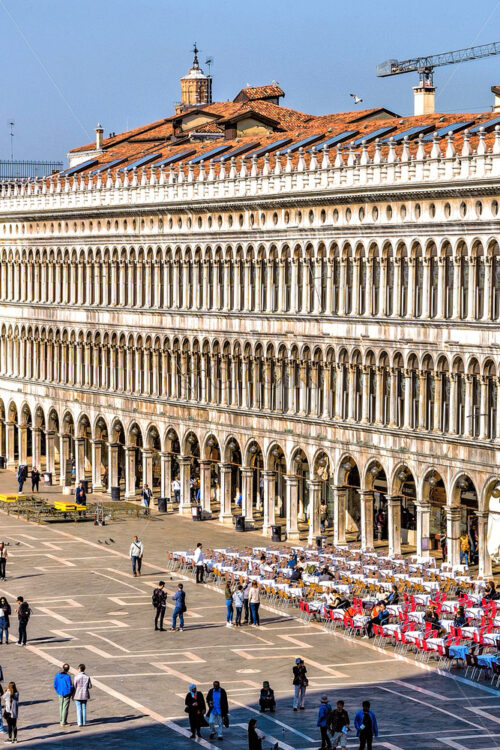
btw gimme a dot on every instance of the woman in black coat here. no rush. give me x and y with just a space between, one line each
196 709
254 741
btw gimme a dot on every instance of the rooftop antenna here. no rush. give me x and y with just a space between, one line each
209 62
11 124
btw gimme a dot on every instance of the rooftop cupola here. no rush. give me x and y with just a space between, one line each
196 86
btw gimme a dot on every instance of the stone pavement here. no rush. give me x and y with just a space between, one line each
88 607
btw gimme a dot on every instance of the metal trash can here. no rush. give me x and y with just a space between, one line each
47 478
276 534
85 483
162 505
320 542
115 493
196 512
239 523
2 462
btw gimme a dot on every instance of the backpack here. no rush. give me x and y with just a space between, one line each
156 598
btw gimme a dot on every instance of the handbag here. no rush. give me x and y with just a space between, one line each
225 721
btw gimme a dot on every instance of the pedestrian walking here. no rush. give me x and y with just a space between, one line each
246 593
63 685
365 723
5 612
199 562
196 709
3 560
136 552
176 489
300 683
23 615
228 596
254 602
255 737
80 495
180 607
35 479
146 495
3 730
218 710
81 695
159 599
238 600
21 476
323 719
10 702
339 725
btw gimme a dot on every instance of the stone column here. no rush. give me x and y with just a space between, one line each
79 459
453 533
379 401
396 294
457 268
438 399
97 465
11 463
36 437
488 289
366 396
247 493
394 507
205 482
342 287
453 404
269 500
422 400
23 443
292 503
423 527
314 512
225 515
166 475
482 530
185 476
469 413
352 393
411 288
64 454
367 520
339 511
441 296
407 399
147 467
130 472
112 466
484 411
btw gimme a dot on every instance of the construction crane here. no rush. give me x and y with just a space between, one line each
425 65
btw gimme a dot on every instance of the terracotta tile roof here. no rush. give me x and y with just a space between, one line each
252 93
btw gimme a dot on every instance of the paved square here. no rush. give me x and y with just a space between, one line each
88 607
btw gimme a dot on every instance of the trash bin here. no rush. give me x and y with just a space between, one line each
276 533
47 478
162 505
239 523
196 512
2 462
85 483
115 493
320 542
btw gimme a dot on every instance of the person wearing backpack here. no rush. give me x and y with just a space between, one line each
23 615
324 713
159 600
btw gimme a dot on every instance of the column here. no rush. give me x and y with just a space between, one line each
64 455
269 501
292 502
457 277
423 528
367 520
79 459
205 485
469 413
352 393
112 466
426 288
342 287
97 465
11 463
314 486
482 530
50 452
394 508
294 288
36 437
407 399
366 395
484 411
147 467
185 477
23 443
130 471
225 515
438 399
453 533
454 404
441 296
488 289
396 290
422 400
166 475
379 403
339 511
472 291
247 493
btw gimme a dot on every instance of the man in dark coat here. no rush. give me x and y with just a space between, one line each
80 495
196 709
218 710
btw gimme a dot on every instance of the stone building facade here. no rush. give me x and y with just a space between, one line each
304 329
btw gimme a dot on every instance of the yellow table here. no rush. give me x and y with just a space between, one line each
12 498
65 506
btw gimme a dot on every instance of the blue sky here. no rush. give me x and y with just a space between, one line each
68 63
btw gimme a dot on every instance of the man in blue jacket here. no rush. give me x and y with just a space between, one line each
180 607
63 685
324 713
365 723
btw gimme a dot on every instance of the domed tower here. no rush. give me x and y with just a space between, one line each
196 87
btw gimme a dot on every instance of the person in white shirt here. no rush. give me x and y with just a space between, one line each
199 561
176 489
136 552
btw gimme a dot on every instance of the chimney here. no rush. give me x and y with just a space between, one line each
424 99
496 102
98 137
